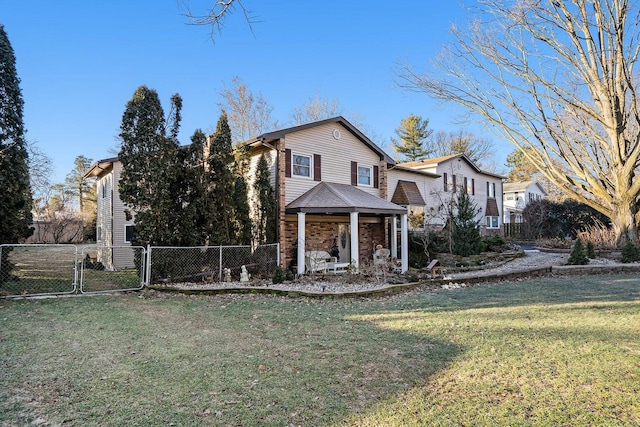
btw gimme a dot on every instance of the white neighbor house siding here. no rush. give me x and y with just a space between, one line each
111 221
336 156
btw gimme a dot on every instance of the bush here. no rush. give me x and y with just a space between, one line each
493 244
278 275
630 253
578 255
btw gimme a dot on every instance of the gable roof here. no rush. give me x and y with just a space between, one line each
407 193
98 167
275 135
510 187
435 161
329 197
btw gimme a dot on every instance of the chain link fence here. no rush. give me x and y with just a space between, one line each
96 277
209 264
38 270
44 269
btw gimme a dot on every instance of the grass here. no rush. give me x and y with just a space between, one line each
551 351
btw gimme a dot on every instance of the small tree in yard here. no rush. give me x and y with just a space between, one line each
466 236
630 253
578 255
265 224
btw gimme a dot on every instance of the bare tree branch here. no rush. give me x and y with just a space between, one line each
216 15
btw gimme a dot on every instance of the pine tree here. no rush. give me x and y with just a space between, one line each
412 132
16 199
466 236
266 204
578 255
221 227
150 161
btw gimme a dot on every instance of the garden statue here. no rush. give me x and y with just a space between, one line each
227 274
244 274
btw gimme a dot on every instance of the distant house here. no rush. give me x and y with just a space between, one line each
516 197
113 229
452 173
334 187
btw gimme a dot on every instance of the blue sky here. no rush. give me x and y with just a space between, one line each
80 61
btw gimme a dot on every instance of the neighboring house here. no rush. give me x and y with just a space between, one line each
453 173
335 187
113 230
517 195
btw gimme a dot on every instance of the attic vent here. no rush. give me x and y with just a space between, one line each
336 134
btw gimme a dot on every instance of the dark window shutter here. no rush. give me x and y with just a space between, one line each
446 184
354 173
466 182
376 182
317 168
487 188
287 163
453 181
473 186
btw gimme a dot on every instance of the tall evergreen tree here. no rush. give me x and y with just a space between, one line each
413 132
221 180
466 236
265 224
16 199
242 220
150 160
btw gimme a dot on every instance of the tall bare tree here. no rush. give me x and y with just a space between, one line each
315 109
478 150
556 79
248 114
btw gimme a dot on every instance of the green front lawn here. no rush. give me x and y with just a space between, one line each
550 351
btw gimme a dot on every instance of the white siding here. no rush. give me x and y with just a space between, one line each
336 157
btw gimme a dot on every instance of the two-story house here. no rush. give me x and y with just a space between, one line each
453 173
517 195
330 183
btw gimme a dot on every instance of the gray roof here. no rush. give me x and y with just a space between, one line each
327 197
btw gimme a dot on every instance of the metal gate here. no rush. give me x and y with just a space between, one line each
39 269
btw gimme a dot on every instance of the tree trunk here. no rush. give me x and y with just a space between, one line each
623 222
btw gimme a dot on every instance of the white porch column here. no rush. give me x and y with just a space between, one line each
404 241
394 236
301 242
355 249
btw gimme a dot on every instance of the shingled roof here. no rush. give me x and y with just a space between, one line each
328 197
407 193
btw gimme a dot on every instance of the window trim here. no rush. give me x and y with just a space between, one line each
370 176
489 222
124 237
310 166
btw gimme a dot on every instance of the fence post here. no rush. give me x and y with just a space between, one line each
147 271
278 254
220 263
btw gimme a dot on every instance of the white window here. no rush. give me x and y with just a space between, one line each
493 222
128 233
301 165
491 189
509 196
364 175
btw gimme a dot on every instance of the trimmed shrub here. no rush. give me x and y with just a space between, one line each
278 275
578 255
630 253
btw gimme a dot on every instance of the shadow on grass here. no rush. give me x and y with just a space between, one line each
207 360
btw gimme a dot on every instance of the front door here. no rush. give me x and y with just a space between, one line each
344 243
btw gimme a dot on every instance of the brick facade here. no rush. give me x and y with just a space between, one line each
321 232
